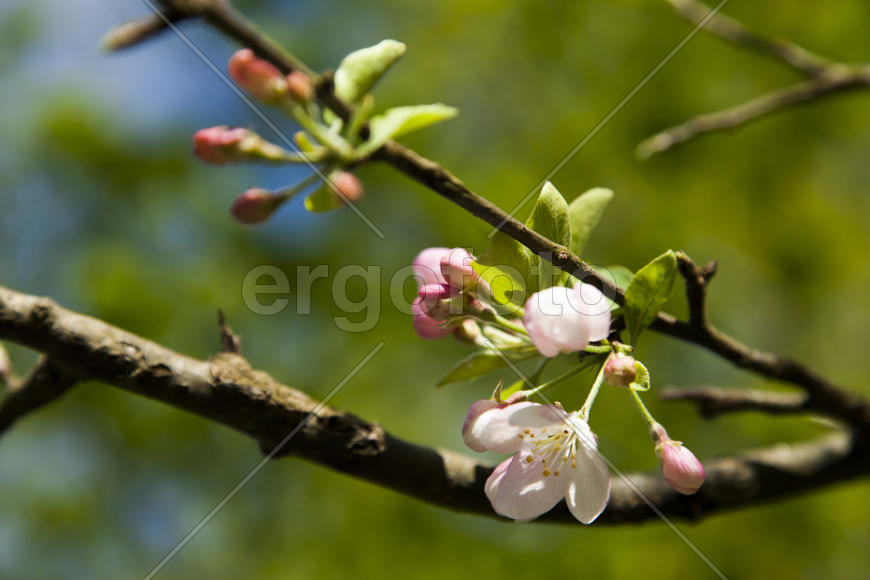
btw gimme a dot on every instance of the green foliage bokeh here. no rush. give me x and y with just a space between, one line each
104 209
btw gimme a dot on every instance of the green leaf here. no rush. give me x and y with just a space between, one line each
642 381
584 213
506 266
619 275
647 293
483 362
401 120
550 219
361 69
550 216
322 200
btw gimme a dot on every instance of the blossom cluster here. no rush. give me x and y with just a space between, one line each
553 453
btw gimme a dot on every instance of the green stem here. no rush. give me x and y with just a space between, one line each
596 349
593 392
292 190
642 408
334 142
555 381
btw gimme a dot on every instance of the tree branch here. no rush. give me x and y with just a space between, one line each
713 401
226 389
826 397
44 384
825 77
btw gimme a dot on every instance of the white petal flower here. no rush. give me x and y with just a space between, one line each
566 319
554 457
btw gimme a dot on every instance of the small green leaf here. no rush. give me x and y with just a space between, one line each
322 200
584 213
550 219
401 120
642 381
508 291
647 293
506 266
361 69
483 362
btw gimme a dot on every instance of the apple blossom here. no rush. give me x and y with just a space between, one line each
620 371
554 457
566 319
255 205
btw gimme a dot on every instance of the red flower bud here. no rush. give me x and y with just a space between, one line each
348 185
299 87
258 77
219 145
255 205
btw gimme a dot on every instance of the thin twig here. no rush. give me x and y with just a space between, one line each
734 31
713 401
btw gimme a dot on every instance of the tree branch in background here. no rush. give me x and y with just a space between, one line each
45 383
713 401
825 77
227 390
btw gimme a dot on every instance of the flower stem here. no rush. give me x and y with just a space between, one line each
292 190
332 141
642 408
593 392
555 381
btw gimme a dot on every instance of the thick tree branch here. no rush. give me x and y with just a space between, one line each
713 401
825 78
825 396
226 389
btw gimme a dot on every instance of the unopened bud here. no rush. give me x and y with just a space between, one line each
682 470
255 205
620 371
348 185
468 332
219 145
435 301
260 78
456 268
299 87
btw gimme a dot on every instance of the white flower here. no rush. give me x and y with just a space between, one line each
566 319
554 457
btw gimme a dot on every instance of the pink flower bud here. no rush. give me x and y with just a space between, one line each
219 145
620 371
682 470
260 78
426 327
255 205
434 301
299 87
427 266
348 185
456 268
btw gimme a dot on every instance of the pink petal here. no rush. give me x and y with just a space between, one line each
425 326
592 303
554 324
427 266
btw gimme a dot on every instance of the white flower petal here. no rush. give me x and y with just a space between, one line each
589 489
472 426
522 492
517 426
596 307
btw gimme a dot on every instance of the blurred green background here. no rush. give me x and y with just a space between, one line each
104 209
